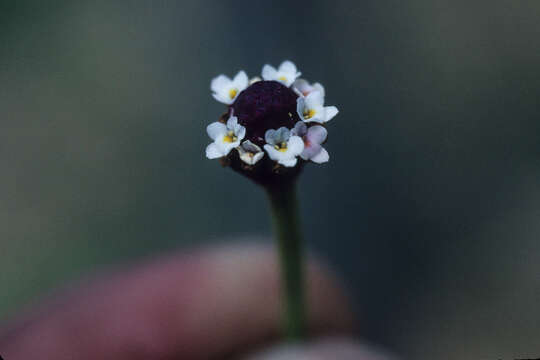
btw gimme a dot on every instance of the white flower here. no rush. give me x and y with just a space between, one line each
313 137
304 88
226 90
226 137
286 74
283 147
250 153
311 108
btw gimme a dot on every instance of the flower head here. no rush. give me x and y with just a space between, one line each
250 153
311 108
303 87
313 137
227 90
226 137
277 115
285 74
283 147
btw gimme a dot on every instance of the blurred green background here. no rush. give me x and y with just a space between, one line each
429 207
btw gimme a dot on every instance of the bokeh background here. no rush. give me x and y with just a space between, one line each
429 208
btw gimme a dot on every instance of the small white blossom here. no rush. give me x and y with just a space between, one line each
286 73
227 90
282 146
250 153
311 108
304 88
313 137
226 137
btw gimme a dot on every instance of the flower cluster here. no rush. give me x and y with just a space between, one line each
280 115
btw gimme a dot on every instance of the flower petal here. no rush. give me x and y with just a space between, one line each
318 115
241 80
321 157
258 156
300 129
310 151
295 145
272 153
247 158
288 162
223 98
225 147
254 80
300 106
314 99
302 85
269 72
240 132
269 136
250 158
219 83
287 67
251 147
212 151
318 87
232 122
305 88
216 129
330 112
282 135
317 134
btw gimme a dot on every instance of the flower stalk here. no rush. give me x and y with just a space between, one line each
286 219
271 129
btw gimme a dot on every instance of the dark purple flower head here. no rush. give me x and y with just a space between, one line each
263 106
271 127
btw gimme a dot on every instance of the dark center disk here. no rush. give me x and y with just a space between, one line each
265 105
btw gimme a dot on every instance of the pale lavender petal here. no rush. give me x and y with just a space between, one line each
310 150
316 134
300 129
321 157
302 85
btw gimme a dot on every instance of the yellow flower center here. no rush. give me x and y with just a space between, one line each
282 78
232 93
308 113
281 147
229 137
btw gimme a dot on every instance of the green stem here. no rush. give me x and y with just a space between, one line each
287 227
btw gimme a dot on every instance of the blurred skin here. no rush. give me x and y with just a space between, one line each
214 303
